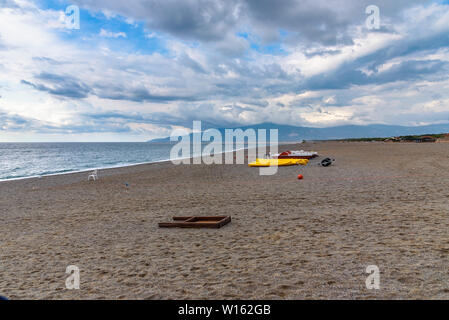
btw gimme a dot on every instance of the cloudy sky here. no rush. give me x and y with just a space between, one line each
137 69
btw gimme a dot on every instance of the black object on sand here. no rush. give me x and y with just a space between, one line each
327 162
3 298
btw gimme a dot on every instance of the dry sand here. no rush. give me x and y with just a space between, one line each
381 203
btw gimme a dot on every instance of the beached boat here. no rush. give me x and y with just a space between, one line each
278 162
301 154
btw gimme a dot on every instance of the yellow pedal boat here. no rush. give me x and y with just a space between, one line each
278 162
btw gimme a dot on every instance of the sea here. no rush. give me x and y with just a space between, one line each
25 160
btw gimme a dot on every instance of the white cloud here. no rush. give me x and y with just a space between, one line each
109 34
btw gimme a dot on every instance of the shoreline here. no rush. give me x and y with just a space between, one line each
82 171
118 166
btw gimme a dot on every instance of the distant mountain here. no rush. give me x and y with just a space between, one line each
292 133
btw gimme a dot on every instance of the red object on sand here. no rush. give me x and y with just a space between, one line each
296 155
300 176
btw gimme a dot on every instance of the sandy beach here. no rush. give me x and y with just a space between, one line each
383 204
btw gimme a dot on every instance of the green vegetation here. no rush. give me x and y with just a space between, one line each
436 136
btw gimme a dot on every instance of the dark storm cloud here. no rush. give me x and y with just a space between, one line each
196 19
137 95
321 21
204 20
13 122
310 20
347 76
59 85
406 47
69 87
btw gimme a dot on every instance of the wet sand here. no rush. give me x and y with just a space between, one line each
384 204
